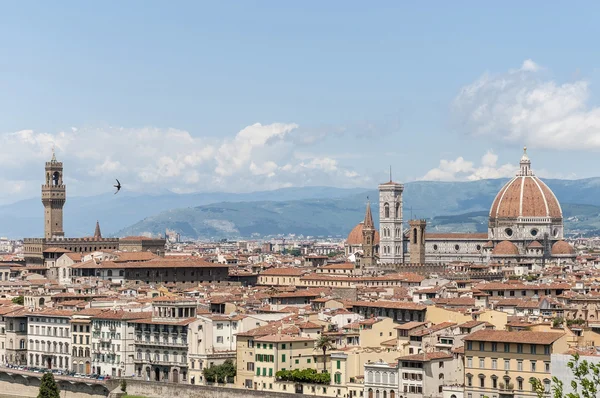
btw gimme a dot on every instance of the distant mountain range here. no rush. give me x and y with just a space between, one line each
314 211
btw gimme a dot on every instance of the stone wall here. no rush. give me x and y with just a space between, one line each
159 390
14 385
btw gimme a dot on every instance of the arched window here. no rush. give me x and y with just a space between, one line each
392 394
377 378
386 210
385 379
109 272
414 236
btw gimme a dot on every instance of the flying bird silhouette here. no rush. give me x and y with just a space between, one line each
118 186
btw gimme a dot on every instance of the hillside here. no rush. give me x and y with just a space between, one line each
450 206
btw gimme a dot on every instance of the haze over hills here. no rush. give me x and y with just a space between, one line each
449 206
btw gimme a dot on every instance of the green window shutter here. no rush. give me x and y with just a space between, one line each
270 346
270 371
308 360
338 364
264 371
297 361
257 371
282 357
283 346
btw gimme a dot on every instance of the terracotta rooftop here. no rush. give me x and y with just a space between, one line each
514 337
426 357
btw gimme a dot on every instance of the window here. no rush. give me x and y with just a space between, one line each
507 364
546 350
547 367
219 326
469 380
470 362
482 346
494 363
520 365
481 363
481 381
519 348
506 347
283 346
250 366
533 366
338 365
520 383
533 349
494 347
469 345
494 382
219 339
282 357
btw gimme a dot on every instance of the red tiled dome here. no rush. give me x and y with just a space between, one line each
355 237
505 248
562 248
535 245
525 196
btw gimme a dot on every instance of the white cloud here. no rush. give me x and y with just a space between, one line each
465 170
522 107
150 159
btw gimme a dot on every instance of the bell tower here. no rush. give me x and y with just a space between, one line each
54 196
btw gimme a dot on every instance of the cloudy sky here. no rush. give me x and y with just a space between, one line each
244 96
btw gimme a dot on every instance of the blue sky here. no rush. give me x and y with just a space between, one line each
169 94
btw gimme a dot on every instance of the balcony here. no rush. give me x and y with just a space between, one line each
155 343
506 390
104 339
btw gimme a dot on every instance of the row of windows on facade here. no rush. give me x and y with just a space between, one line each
497 383
49 346
271 358
248 383
388 250
533 364
387 232
533 348
386 210
49 331
166 357
37 360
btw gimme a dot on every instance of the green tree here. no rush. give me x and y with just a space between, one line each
18 300
124 385
220 373
586 381
324 343
48 387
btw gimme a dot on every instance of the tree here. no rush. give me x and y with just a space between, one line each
585 385
324 343
220 373
18 300
124 385
48 387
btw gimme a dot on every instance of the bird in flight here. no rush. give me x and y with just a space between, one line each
118 186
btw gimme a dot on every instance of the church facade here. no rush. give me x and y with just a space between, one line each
54 196
525 228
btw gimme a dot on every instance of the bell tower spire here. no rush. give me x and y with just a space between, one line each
54 196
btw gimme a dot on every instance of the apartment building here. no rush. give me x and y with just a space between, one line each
161 341
49 339
113 342
16 337
499 364
81 334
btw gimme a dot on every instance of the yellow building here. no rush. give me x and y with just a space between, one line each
280 277
499 364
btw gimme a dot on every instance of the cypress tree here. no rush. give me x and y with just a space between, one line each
48 387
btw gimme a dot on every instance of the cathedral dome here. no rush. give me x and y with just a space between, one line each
525 196
505 248
562 248
355 237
